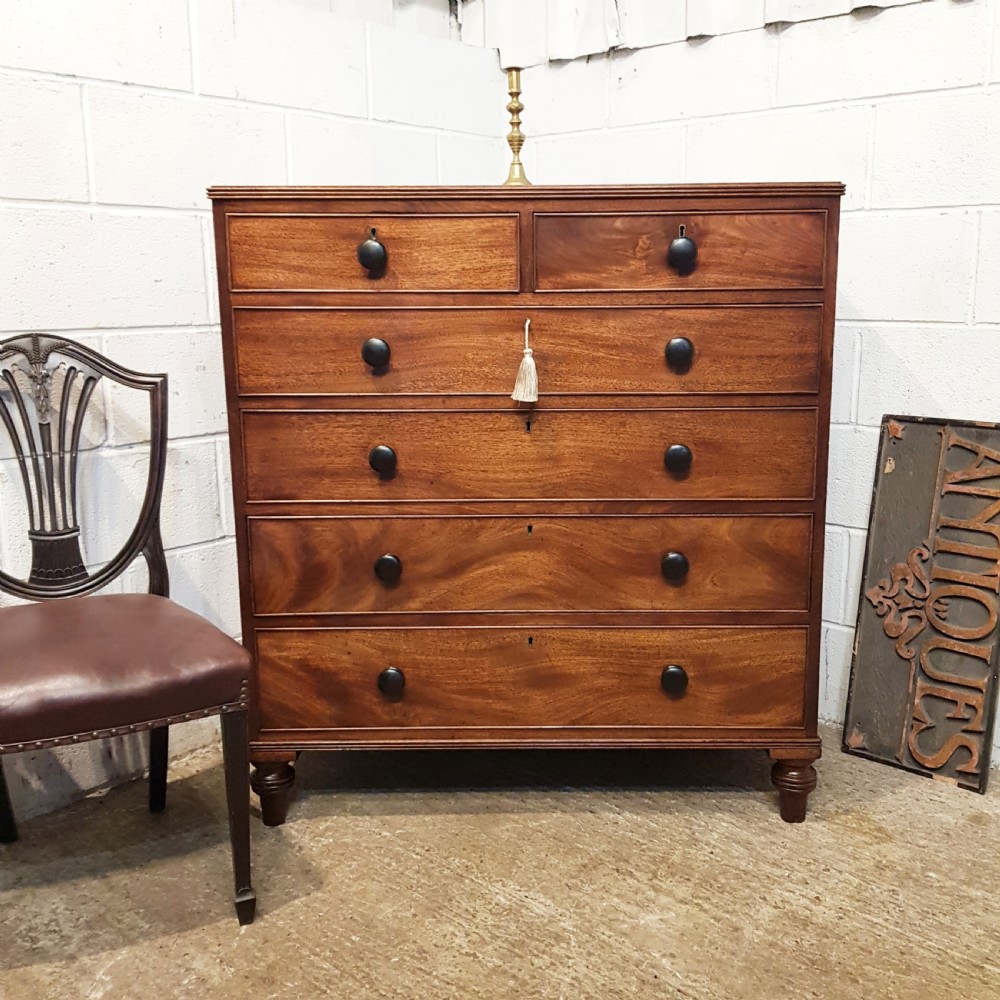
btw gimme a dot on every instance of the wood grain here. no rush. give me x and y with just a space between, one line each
317 565
326 679
426 253
624 251
566 454
577 351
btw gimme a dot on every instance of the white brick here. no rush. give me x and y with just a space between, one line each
377 11
335 151
113 484
623 156
958 138
855 569
78 269
835 558
205 580
845 360
643 24
835 672
437 83
920 47
930 371
430 18
42 150
717 17
853 451
987 309
565 97
995 76
133 41
281 53
473 159
902 267
706 77
192 360
15 555
154 150
826 145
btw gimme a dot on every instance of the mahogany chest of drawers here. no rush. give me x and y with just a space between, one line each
633 560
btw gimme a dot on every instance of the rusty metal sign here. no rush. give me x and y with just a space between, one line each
924 673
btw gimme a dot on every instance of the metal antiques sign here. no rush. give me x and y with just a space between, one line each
924 675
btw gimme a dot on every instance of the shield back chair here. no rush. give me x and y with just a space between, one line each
75 666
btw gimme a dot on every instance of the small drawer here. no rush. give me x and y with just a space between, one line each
682 454
553 677
724 349
320 565
424 253
732 251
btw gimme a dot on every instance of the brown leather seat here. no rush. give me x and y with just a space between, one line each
104 665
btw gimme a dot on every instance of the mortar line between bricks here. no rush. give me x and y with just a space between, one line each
90 331
919 324
193 51
121 211
976 264
88 145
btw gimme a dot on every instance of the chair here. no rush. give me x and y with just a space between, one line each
75 667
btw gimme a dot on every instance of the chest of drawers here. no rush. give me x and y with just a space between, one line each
633 560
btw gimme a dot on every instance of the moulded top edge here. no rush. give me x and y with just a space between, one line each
820 188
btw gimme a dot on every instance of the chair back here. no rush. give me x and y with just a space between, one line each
47 384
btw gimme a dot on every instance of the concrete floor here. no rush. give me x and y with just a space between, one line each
521 875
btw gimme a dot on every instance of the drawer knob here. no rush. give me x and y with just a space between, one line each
391 682
674 566
372 255
682 253
677 459
389 568
674 680
382 459
680 355
375 352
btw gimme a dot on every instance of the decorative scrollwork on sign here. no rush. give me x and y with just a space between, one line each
902 605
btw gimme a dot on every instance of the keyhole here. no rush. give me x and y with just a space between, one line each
374 232
531 640
680 232
529 529
527 426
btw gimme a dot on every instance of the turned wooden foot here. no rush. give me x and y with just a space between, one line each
794 778
272 780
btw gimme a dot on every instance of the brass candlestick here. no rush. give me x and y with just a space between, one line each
515 138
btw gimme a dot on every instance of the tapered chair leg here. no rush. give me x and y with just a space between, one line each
235 752
8 828
159 741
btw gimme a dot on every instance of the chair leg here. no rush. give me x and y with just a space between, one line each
8 828
235 752
159 740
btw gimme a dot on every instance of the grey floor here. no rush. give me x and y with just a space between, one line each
519 874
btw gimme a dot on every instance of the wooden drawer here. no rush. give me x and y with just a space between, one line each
546 454
737 349
306 565
426 252
760 250
504 677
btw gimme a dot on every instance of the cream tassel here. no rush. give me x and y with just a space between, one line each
526 386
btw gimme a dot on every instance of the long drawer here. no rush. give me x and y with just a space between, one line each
304 565
736 349
625 251
544 454
503 677
425 252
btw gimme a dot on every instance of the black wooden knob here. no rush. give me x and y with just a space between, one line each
677 458
682 253
674 566
382 459
372 255
389 568
680 355
391 682
375 352
674 680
